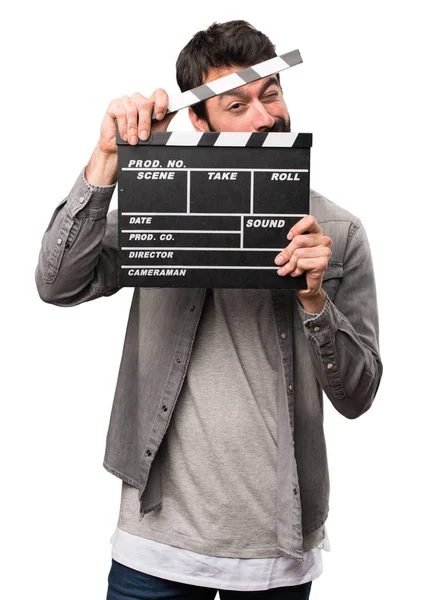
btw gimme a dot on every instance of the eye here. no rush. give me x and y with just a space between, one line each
235 106
271 96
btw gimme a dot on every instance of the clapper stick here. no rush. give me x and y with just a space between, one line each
234 80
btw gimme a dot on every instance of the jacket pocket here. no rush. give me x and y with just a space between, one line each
332 277
73 233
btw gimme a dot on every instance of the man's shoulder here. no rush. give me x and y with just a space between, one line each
326 211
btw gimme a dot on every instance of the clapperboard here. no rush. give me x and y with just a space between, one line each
211 209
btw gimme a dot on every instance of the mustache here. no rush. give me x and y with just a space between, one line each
280 126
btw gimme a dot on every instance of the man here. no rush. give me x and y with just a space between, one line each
216 428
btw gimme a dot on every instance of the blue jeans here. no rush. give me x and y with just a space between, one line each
125 583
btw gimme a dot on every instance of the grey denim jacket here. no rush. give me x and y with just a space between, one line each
335 351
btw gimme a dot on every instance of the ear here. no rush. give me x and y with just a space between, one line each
199 124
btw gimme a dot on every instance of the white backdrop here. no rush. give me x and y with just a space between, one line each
357 92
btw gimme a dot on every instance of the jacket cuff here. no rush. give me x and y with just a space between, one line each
321 330
320 327
94 198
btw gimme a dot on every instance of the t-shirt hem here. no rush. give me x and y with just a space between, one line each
212 550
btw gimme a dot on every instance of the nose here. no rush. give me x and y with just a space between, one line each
261 119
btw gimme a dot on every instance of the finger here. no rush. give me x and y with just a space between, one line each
132 120
318 252
160 100
117 111
144 108
314 276
306 224
302 241
164 123
313 267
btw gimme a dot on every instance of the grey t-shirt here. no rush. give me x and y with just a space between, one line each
218 457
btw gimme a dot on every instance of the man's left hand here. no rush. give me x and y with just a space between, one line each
308 252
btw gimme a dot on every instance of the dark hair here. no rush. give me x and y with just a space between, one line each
221 45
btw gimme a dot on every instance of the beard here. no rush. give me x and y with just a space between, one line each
281 125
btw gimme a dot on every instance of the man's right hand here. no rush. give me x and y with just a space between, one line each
133 116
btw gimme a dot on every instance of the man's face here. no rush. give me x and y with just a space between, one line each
256 106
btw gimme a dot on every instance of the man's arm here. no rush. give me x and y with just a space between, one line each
342 336
343 339
78 257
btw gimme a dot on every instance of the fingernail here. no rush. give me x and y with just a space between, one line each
289 236
278 260
133 139
124 136
281 271
144 135
159 115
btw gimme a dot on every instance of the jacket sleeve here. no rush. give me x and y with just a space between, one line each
343 339
78 256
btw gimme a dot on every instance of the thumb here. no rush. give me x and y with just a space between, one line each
163 123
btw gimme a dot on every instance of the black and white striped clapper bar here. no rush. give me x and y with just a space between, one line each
210 209
234 80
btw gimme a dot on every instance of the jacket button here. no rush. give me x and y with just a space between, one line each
164 408
330 366
148 452
178 359
316 329
283 336
290 387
